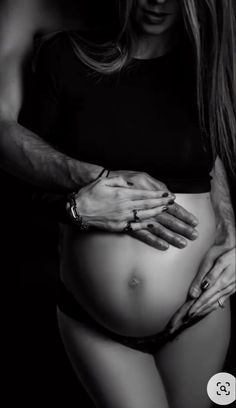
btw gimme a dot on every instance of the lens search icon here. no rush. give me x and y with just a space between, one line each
221 388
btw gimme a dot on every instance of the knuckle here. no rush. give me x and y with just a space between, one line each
225 281
121 179
118 194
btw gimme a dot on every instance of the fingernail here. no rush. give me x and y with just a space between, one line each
194 293
165 195
182 243
150 225
194 222
205 285
194 234
171 202
164 208
129 183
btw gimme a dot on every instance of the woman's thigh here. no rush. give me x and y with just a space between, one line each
114 375
187 363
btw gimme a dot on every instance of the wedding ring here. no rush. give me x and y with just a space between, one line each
221 303
136 217
128 227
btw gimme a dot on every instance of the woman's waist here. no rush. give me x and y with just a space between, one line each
117 277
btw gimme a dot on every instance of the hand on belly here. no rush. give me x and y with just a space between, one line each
126 285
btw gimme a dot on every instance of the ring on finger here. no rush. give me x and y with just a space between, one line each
128 227
136 217
221 303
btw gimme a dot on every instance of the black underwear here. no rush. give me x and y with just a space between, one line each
69 306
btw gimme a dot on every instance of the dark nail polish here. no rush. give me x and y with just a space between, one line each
171 202
129 183
186 319
165 195
150 225
205 285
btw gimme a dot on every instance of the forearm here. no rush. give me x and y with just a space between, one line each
26 155
221 200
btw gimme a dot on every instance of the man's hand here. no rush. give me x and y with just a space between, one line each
171 227
140 180
109 204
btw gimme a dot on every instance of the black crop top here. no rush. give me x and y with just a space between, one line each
143 118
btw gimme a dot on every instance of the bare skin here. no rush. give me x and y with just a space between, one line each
215 280
8 118
25 154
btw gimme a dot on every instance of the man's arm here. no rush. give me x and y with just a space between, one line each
22 152
26 155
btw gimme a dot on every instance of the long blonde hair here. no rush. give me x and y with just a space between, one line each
210 25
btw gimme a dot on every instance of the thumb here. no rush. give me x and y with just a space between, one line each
199 283
117 181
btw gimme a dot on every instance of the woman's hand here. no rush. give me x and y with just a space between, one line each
172 227
219 282
214 283
109 203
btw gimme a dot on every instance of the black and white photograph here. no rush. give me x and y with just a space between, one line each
117 170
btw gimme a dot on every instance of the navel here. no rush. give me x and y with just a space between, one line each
134 282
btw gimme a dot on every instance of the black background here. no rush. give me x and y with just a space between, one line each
38 369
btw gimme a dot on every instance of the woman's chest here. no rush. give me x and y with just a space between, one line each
130 122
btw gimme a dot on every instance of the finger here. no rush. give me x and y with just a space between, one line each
211 308
177 226
221 264
205 267
137 194
167 235
149 213
179 317
222 296
216 271
179 212
148 203
206 297
151 239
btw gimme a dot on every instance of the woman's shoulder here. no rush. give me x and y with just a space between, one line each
58 49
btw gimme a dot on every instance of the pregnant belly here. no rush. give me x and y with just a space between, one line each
128 286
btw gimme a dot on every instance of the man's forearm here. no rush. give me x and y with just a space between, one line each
221 199
27 156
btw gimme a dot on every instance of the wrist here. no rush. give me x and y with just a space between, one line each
81 173
92 172
74 214
225 233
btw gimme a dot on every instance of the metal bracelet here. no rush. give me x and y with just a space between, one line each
74 215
